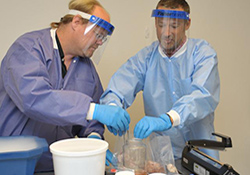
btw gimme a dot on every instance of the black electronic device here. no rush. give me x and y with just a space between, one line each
200 163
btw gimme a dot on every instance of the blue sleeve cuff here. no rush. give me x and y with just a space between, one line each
94 135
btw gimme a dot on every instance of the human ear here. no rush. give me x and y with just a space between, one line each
76 21
187 24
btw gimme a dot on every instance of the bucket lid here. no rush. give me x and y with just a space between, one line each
76 147
125 173
14 147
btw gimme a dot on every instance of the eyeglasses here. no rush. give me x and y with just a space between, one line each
101 37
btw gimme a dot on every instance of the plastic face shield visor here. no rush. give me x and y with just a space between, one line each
96 35
170 28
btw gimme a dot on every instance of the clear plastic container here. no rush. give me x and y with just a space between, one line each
134 154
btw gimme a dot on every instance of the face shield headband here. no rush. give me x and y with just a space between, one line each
95 20
170 14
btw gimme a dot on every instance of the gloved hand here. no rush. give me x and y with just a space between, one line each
112 130
109 154
115 132
149 124
113 116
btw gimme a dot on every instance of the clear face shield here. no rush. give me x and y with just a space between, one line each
96 35
171 27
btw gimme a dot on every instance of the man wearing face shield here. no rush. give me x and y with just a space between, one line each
179 79
49 86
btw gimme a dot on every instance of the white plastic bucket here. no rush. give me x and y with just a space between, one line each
79 156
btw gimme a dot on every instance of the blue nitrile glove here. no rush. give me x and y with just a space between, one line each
112 130
112 116
109 154
148 124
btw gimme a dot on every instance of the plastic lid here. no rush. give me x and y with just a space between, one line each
77 147
13 147
125 173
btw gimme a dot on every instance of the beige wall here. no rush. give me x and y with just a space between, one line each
224 23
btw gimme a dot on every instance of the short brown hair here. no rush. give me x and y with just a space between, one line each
173 4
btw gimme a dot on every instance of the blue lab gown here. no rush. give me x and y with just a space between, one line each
187 82
36 100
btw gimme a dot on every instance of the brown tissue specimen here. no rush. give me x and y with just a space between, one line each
154 167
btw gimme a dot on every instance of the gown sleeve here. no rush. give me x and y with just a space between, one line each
93 126
127 81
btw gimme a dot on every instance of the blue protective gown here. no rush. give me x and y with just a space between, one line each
187 82
36 100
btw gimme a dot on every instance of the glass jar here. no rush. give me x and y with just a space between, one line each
134 154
